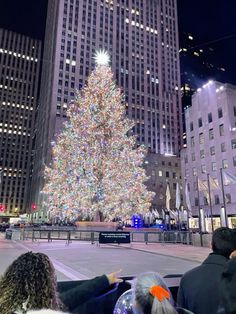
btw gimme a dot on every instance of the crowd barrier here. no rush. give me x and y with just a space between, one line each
104 303
92 236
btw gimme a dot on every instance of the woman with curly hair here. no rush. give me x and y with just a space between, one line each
29 283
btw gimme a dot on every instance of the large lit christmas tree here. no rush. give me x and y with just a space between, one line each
96 167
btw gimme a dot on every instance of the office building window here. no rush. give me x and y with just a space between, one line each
202 153
233 144
225 164
234 161
235 111
201 138
220 113
191 126
194 171
200 122
196 201
217 199
167 174
210 117
213 166
221 129
211 134
203 167
160 174
205 200
223 147
192 141
228 198
193 157
212 150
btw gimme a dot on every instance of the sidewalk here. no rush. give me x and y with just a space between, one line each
186 252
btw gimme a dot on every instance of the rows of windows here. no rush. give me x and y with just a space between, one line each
210 119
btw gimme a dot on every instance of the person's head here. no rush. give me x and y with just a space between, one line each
29 283
151 295
224 241
228 287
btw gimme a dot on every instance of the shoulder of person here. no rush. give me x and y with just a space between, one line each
191 273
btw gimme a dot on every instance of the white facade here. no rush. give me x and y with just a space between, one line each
211 145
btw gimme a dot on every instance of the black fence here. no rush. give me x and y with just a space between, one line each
104 303
92 236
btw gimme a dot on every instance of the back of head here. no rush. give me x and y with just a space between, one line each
28 283
228 287
224 241
152 296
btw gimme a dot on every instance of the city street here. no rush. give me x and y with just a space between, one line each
81 260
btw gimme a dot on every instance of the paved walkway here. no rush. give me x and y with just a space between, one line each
81 260
187 252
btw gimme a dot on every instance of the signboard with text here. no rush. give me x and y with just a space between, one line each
114 237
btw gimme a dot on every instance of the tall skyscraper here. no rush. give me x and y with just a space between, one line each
19 68
142 40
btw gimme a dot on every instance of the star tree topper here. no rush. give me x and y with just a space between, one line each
102 58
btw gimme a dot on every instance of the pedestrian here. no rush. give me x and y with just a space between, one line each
30 283
151 295
199 288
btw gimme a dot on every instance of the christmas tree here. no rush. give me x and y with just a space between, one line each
96 167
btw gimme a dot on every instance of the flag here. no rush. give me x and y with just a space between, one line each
177 198
202 186
168 196
187 198
163 214
214 183
173 214
228 178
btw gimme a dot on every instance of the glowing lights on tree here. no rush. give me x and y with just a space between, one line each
96 167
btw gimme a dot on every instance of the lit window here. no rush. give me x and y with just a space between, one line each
212 150
213 166
211 134
160 173
201 138
225 164
203 168
233 144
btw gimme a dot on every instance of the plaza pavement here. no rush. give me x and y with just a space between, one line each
82 260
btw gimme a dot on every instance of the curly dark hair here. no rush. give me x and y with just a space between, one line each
29 280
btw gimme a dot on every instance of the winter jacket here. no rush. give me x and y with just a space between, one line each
199 288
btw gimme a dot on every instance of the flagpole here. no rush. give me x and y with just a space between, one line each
188 216
209 190
199 214
223 194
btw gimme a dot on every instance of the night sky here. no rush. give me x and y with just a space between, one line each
207 20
